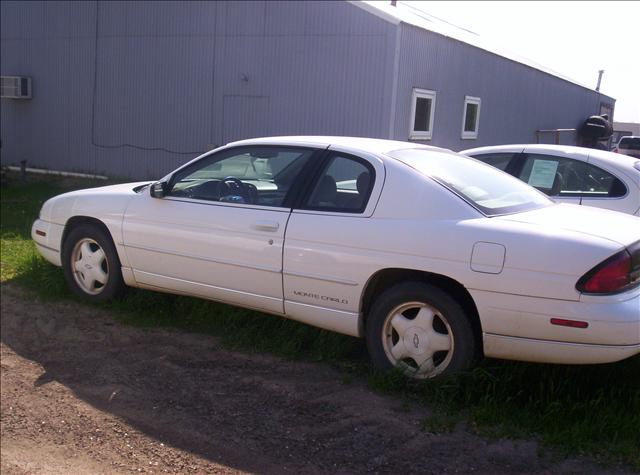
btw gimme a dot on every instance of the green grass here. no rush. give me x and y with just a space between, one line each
591 410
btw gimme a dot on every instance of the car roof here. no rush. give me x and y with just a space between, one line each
376 146
614 158
531 146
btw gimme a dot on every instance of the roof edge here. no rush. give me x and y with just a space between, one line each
375 11
408 18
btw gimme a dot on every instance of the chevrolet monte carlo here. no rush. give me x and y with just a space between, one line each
434 258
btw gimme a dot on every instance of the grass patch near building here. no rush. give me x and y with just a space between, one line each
592 410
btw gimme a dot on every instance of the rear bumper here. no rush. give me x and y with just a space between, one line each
543 351
48 238
519 328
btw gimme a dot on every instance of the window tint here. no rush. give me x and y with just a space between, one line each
561 176
256 175
344 186
497 160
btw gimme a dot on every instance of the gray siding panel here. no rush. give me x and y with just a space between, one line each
516 99
172 78
135 89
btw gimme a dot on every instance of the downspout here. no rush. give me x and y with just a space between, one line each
394 82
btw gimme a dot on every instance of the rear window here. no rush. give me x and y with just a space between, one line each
630 143
498 160
487 189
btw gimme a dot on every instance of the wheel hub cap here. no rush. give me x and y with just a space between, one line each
90 267
415 341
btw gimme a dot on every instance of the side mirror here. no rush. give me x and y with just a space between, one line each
158 189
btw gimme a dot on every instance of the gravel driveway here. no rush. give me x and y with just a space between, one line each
82 393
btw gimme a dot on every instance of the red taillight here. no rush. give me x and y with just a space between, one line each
610 276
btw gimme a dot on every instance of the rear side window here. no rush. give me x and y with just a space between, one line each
488 190
561 176
498 160
631 143
344 186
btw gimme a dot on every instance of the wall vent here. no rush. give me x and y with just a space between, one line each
15 87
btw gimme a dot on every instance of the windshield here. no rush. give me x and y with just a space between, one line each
489 190
631 143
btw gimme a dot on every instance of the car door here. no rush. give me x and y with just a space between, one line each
323 270
559 177
219 231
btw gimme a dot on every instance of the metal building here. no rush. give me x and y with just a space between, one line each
137 88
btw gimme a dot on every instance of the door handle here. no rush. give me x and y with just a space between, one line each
271 226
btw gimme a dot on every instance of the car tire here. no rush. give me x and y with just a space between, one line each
421 330
91 265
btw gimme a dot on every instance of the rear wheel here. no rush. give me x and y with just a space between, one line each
91 265
421 330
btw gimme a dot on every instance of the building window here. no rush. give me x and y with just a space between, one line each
471 117
423 103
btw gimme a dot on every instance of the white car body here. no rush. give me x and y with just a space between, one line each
628 145
623 167
520 270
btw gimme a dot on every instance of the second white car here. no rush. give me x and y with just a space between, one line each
577 175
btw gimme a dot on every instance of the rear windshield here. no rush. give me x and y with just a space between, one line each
630 143
489 190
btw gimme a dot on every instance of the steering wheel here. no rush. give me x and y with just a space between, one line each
234 186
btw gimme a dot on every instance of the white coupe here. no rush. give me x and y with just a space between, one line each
436 259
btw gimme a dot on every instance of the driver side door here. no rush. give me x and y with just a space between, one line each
218 233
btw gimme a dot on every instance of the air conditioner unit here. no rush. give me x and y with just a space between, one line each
15 87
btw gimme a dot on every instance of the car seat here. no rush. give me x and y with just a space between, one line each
325 194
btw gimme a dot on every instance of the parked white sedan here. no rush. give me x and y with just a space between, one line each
434 258
577 175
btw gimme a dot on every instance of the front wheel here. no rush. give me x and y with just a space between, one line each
91 265
421 330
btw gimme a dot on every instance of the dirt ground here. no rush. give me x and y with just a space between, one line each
82 393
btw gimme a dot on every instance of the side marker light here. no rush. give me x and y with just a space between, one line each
569 323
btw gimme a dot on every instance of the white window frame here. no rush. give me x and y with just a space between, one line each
470 100
424 94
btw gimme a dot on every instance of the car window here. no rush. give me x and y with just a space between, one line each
631 143
344 186
487 189
562 176
497 160
250 175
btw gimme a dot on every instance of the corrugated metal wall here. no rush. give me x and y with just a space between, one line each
137 88
516 100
